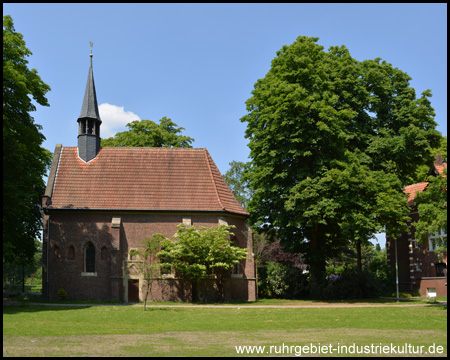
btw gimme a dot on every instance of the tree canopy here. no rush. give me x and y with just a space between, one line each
202 252
25 161
422 171
432 208
147 133
332 142
235 180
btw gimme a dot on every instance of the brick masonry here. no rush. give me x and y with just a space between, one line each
70 231
416 264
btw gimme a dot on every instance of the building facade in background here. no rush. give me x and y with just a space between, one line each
419 267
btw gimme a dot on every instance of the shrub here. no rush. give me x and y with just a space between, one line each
62 294
350 284
282 282
401 295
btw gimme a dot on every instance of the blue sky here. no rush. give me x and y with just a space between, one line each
197 63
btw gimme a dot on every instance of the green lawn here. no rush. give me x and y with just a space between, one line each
129 331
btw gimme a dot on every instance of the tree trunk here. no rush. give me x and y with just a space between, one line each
316 262
317 269
145 298
194 291
358 256
220 287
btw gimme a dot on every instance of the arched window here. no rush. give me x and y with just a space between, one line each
89 258
71 253
82 129
90 129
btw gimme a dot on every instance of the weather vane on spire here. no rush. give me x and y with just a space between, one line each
92 44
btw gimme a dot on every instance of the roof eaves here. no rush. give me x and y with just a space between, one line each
212 179
147 210
53 171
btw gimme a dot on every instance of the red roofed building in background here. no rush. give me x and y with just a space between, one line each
102 202
419 267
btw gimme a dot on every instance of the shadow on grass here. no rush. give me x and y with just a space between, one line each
370 301
35 303
30 297
15 303
331 302
25 308
17 308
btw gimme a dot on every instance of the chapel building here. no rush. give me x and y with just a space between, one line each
101 202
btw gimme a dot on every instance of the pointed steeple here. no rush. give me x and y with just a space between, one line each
89 121
89 109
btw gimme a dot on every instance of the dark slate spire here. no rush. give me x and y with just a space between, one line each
89 108
89 121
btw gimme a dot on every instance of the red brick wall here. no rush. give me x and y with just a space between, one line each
178 290
437 283
77 228
413 260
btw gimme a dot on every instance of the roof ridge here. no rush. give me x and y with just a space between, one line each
212 178
142 147
419 183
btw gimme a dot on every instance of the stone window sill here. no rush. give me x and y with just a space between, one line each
88 274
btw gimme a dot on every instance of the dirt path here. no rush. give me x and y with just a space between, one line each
7 302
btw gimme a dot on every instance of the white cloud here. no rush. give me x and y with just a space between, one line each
114 119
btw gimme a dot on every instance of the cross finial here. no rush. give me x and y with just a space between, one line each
92 44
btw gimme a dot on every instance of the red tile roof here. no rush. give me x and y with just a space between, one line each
440 168
411 190
175 179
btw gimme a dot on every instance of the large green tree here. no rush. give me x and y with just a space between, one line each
25 161
332 141
147 133
347 203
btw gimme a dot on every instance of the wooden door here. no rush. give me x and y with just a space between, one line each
133 291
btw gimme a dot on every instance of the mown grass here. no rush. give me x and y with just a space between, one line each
30 330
